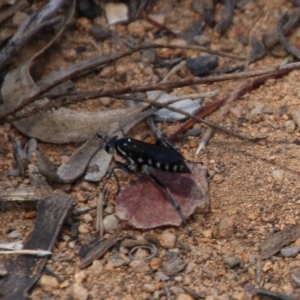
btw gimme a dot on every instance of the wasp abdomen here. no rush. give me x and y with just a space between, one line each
167 159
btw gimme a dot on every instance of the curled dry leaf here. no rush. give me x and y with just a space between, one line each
69 126
141 204
165 115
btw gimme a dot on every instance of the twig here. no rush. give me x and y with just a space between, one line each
211 108
47 83
258 271
99 218
29 252
167 290
289 47
98 251
206 137
275 71
174 70
180 111
203 49
153 22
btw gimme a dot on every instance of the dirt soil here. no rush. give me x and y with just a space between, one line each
248 201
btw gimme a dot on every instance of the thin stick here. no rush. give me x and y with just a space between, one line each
28 252
99 217
74 97
206 137
216 126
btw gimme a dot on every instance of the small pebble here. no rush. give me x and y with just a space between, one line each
278 176
267 266
87 218
99 32
168 240
289 126
257 110
268 218
110 223
201 39
167 53
15 235
207 233
137 28
290 251
296 117
184 297
232 261
148 287
71 245
80 276
19 17
97 266
187 280
141 253
48 283
83 24
155 263
87 186
139 266
106 101
78 292
116 12
64 284
173 266
237 111
178 278
254 118
69 54
119 260
218 178
162 276
107 72
80 197
110 209
30 214
65 187
201 65
226 227
83 229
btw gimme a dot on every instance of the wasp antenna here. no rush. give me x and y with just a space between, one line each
102 136
123 132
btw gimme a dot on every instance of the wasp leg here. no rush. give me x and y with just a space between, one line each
162 140
174 201
122 166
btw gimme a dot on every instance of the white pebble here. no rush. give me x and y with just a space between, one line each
168 240
48 283
83 229
110 223
78 292
278 175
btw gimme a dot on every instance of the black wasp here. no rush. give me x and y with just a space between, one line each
140 155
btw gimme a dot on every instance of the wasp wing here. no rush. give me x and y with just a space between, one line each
155 152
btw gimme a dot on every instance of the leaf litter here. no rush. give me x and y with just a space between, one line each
230 196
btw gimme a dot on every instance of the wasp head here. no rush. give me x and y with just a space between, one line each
111 145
